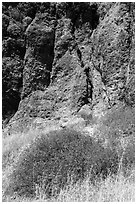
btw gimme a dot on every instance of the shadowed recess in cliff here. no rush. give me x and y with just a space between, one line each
44 51
11 89
82 13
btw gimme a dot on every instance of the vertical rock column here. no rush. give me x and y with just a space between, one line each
39 54
113 43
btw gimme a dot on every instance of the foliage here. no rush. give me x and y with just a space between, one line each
113 189
118 132
52 157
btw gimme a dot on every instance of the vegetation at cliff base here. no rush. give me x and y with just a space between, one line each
49 163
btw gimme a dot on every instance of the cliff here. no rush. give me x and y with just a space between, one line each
59 58
68 96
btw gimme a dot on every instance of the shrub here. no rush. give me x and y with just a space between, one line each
118 129
51 157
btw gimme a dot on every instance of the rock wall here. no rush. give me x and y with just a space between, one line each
72 54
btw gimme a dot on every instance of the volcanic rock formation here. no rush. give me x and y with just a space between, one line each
59 57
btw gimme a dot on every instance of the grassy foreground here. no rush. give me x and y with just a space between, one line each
69 165
112 189
118 189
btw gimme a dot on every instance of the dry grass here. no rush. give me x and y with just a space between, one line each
51 165
51 157
118 189
112 189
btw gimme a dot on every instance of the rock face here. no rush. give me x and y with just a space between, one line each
39 55
65 56
113 52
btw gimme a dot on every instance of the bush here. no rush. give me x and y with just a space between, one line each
51 157
118 131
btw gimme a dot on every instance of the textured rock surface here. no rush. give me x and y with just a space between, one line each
11 85
113 45
73 54
39 54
